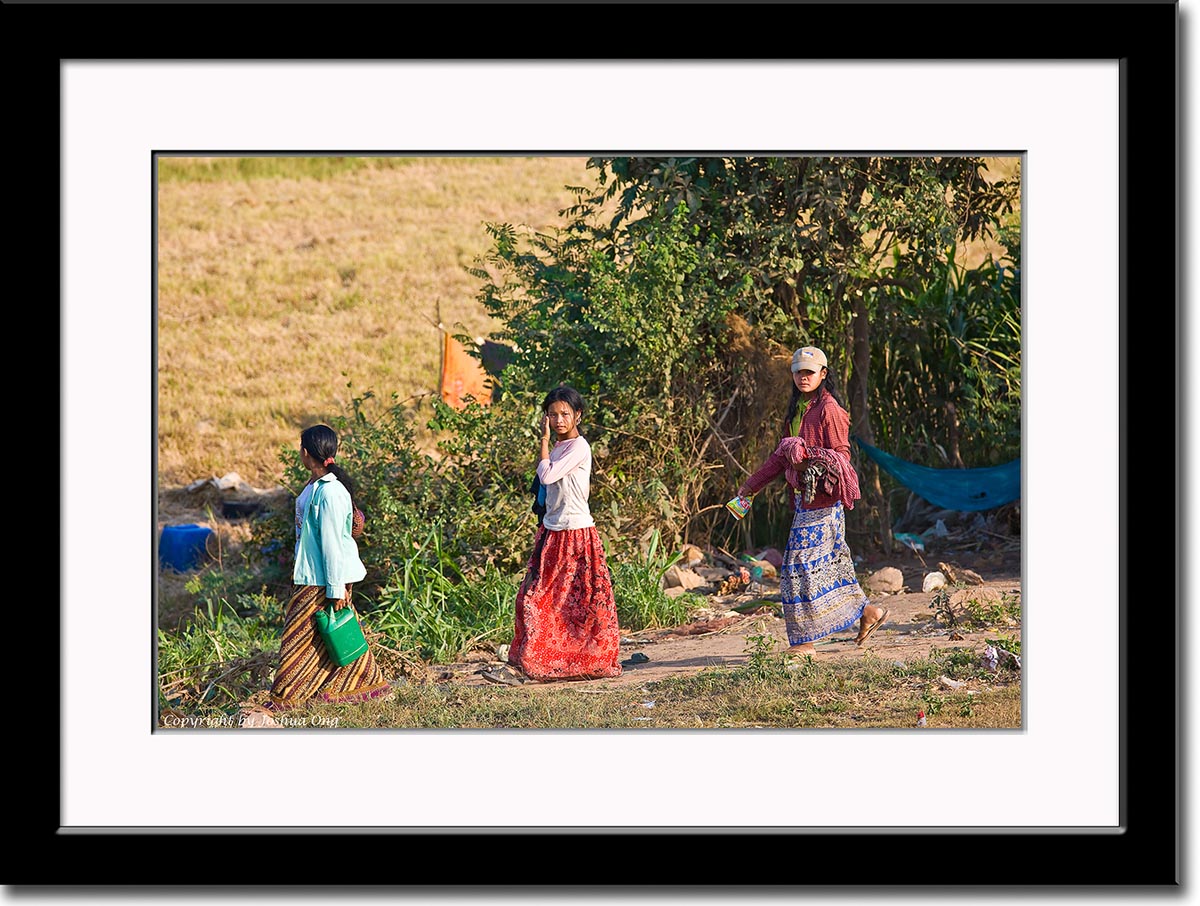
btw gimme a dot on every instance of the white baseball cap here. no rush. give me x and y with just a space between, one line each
808 358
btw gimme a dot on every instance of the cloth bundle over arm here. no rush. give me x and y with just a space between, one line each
825 423
838 479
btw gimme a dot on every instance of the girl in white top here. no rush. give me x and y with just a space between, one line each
566 615
566 473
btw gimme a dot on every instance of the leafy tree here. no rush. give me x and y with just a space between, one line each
675 282
635 327
822 247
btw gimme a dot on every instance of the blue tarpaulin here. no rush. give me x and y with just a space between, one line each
966 490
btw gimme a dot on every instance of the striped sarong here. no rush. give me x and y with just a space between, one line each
305 670
817 582
566 615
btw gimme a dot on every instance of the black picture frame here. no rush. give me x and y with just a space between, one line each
1144 854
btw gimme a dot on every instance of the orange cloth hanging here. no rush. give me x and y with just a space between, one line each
462 375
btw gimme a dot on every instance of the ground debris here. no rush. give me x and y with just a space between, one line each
956 574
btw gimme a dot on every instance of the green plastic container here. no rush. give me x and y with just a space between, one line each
341 633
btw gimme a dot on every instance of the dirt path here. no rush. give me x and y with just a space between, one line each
720 636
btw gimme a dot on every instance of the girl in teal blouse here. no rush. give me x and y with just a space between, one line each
326 567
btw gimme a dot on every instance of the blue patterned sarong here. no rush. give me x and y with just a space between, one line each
817 582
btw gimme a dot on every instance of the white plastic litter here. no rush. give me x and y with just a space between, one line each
991 658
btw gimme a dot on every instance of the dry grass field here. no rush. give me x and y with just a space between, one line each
280 298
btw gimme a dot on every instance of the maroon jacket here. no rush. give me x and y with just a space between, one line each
825 430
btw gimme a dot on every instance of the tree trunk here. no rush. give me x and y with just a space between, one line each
859 394
788 300
956 460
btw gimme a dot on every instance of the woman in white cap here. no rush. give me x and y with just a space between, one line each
819 588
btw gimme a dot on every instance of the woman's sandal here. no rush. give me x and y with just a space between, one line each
866 633
504 675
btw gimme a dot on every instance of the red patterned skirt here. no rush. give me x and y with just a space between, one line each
305 670
566 616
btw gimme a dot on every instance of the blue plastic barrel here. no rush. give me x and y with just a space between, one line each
183 547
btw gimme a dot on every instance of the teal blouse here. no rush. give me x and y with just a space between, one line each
326 554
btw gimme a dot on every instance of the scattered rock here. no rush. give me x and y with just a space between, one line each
691 555
965 596
932 580
682 577
955 574
232 481
888 579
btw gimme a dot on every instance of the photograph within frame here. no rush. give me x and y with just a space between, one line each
289 291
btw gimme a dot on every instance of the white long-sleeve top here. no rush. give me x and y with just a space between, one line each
567 475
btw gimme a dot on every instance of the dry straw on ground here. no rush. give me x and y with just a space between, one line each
279 300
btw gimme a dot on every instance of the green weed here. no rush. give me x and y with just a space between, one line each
216 660
438 610
638 589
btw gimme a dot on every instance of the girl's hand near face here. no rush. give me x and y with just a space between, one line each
545 429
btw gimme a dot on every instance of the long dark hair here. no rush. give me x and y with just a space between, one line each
564 394
794 402
322 443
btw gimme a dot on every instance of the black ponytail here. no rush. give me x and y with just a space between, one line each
322 443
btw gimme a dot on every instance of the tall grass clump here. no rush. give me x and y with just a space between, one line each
439 610
638 588
217 658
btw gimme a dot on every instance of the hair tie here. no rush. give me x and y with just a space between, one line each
329 461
